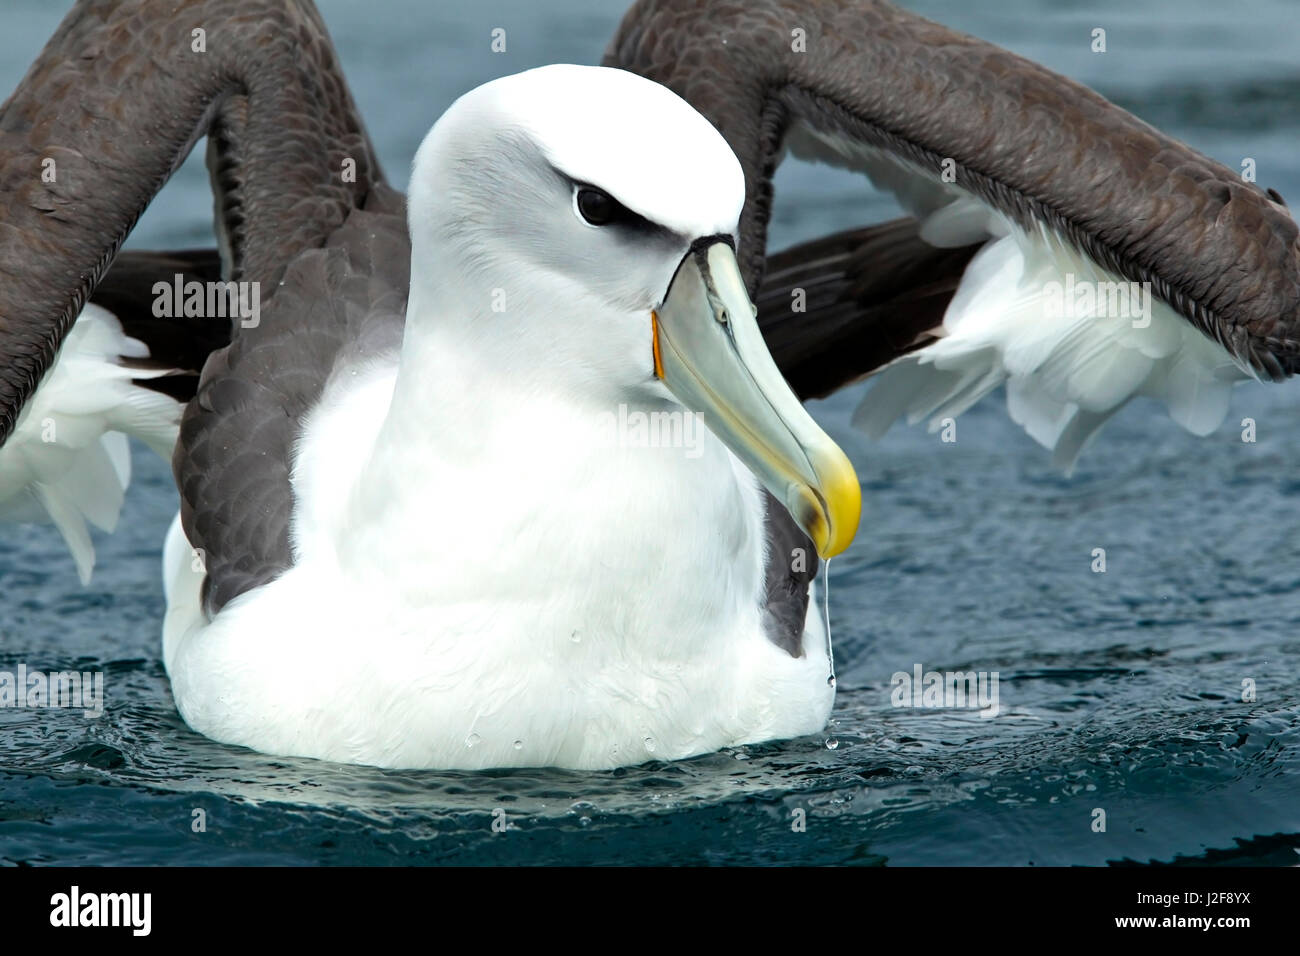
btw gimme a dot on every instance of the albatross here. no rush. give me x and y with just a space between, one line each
526 592
404 537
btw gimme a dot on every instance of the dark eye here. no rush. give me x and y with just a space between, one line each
600 208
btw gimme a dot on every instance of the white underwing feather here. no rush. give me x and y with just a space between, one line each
68 460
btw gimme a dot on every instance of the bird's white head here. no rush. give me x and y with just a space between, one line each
574 228
566 187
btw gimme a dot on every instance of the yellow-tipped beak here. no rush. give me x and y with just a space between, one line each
710 354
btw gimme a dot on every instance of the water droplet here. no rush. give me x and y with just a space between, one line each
831 743
650 744
519 745
830 681
472 739
584 821
575 637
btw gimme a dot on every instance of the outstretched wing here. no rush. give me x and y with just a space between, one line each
117 108
1054 186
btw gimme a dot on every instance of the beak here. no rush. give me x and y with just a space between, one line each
709 353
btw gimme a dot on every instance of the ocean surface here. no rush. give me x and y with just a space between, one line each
1120 692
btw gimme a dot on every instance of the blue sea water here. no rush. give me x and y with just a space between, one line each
1119 691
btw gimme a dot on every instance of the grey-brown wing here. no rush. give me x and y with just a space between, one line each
117 99
788 573
114 103
343 303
